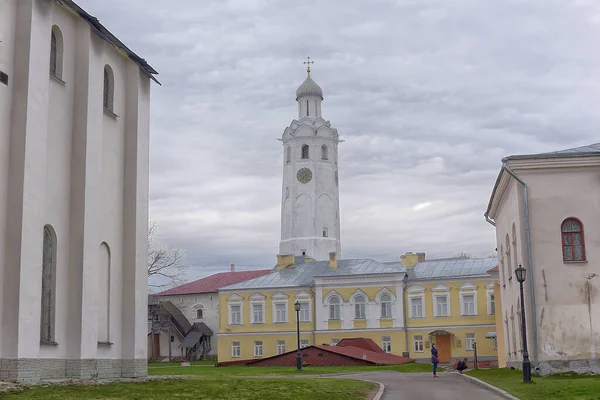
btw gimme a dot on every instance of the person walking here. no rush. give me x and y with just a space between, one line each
434 359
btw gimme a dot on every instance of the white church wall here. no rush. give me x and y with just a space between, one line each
90 188
565 328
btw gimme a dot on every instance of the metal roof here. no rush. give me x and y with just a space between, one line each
303 273
110 38
309 88
452 268
589 150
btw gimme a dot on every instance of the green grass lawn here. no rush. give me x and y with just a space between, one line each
200 389
557 387
259 371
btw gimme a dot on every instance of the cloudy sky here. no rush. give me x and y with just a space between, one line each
428 96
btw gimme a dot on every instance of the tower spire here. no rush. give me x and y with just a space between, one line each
308 62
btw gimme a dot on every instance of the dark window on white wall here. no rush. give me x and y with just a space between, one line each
324 155
288 154
56 52
48 289
109 89
305 151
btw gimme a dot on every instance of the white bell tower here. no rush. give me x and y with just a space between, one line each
310 205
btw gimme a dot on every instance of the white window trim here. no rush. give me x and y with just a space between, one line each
392 303
287 311
435 296
304 343
239 346
305 298
410 308
383 342
331 341
422 340
252 304
278 346
462 304
235 300
467 341
489 292
308 302
256 347
326 300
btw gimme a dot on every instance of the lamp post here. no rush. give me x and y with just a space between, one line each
298 354
521 273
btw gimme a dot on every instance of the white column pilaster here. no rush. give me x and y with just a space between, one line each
26 181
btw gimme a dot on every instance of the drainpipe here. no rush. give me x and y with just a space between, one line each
529 257
404 291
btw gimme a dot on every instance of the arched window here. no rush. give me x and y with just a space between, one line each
305 151
502 266
386 306
109 89
334 307
56 52
103 284
508 261
573 243
324 152
514 243
199 313
288 154
48 282
359 307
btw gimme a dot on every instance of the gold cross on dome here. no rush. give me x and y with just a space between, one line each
308 62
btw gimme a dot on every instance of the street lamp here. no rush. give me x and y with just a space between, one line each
298 355
521 273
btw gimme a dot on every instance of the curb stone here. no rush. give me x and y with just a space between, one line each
492 388
379 393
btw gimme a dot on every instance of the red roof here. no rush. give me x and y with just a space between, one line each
344 351
495 269
361 343
212 283
371 356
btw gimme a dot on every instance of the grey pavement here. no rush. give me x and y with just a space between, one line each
422 386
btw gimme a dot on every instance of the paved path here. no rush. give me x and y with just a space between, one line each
422 386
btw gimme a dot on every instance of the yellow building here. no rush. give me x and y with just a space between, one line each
403 306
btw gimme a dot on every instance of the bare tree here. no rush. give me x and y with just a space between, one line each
165 264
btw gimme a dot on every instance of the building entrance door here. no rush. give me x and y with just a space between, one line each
444 347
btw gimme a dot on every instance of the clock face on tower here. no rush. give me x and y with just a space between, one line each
304 175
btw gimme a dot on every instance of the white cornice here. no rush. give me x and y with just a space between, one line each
304 295
258 296
280 296
416 289
440 288
467 286
554 162
235 297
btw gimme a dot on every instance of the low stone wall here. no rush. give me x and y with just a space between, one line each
31 370
545 368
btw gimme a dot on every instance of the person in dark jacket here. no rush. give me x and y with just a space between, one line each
462 365
434 359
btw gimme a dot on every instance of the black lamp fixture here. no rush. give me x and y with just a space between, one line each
298 354
521 274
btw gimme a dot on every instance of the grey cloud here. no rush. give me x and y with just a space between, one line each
429 96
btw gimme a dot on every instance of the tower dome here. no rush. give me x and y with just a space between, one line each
309 88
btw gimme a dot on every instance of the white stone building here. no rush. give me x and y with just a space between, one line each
74 127
546 212
310 201
198 302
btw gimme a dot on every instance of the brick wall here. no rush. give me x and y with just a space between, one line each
310 356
